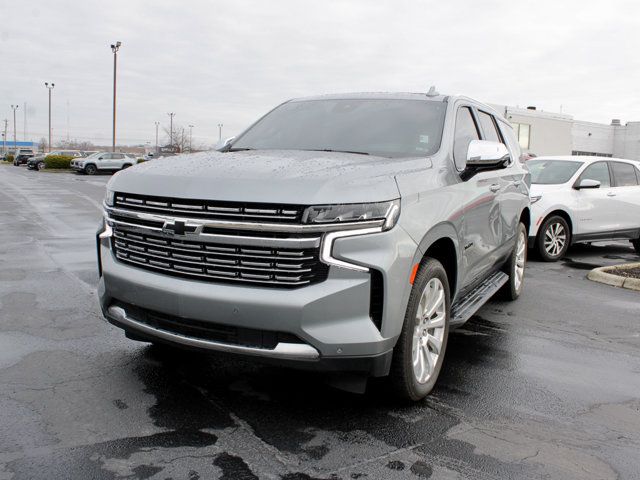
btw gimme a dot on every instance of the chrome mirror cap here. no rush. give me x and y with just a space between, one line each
484 153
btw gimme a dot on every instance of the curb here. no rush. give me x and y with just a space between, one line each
601 275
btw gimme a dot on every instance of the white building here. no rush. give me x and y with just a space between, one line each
547 133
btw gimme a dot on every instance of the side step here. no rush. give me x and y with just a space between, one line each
464 308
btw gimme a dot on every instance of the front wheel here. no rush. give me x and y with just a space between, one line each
419 353
41 165
553 238
90 169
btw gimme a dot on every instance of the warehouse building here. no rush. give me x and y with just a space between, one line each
548 133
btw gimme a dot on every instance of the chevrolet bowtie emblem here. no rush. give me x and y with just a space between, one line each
177 228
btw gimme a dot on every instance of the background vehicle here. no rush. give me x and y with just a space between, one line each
37 162
583 199
8 154
22 155
348 252
103 161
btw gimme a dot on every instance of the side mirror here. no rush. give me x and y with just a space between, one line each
224 144
486 154
588 183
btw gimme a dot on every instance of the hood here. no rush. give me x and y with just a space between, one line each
269 176
539 188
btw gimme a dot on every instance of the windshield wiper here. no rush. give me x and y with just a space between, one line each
238 149
331 150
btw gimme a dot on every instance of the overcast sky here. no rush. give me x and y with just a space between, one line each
228 62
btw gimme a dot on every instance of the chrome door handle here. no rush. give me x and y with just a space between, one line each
611 194
494 188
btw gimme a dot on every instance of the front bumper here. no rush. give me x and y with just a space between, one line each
331 318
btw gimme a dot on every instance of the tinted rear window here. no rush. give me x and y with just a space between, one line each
552 172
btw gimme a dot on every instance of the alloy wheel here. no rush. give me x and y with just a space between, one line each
428 333
555 238
521 257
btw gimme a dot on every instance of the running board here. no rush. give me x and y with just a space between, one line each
463 309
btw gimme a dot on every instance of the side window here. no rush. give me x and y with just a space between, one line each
489 127
119 156
511 141
466 131
105 156
597 171
624 174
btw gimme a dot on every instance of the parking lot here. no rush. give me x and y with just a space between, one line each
544 387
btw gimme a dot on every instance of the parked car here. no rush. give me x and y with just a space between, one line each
37 162
583 199
103 161
87 153
22 155
345 233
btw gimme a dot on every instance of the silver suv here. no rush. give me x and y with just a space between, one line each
103 161
344 233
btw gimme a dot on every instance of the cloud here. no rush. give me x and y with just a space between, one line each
229 62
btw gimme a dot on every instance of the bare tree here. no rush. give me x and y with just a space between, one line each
76 145
42 144
179 139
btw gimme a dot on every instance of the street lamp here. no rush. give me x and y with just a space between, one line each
157 125
220 125
46 84
171 129
15 142
114 49
190 136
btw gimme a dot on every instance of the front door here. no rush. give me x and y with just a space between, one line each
594 216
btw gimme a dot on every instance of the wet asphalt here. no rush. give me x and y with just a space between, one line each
544 387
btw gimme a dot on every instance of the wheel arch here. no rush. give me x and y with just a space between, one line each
441 243
525 217
561 213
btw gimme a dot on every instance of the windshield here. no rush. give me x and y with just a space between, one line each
389 128
552 172
93 155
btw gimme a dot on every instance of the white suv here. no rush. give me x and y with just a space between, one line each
583 199
109 161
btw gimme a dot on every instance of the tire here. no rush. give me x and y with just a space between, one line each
411 383
515 266
554 227
41 166
126 165
636 245
90 169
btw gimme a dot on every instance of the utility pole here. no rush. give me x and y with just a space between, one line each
171 128
114 49
190 137
24 123
157 125
4 137
220 125
46 84
15 141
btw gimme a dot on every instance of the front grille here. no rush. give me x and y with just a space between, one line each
219 262
246 337
210 209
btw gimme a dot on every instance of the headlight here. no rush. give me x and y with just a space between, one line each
354 212
109 197
535 198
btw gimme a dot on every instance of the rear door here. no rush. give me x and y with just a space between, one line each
626 198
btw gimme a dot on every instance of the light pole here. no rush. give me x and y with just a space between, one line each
4 137
220 125
157 125
190 137
49 87
15 142
114 49
171 128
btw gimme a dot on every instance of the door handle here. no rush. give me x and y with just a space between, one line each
494 188
517 183
611 194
